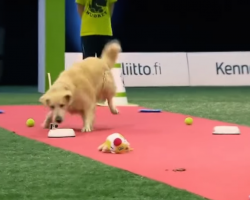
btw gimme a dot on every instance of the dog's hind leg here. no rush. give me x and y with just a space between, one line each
48 120
112 106
109 93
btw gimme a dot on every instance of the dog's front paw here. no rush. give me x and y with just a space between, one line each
114 111
87 128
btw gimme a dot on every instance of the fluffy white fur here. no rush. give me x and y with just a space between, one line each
78 89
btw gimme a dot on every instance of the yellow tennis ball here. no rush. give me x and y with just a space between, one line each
30 122
189 121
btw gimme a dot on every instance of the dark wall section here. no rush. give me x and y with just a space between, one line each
20 59
186 25
173 25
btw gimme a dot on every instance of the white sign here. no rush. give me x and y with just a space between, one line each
219 69
154 69
148 69
71 58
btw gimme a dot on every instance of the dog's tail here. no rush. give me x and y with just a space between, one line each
111 52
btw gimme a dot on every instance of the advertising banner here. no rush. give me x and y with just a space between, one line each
219 69
154 69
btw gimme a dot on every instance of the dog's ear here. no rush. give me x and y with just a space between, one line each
44 100
66 88
68 97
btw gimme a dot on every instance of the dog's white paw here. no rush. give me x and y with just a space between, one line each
87 129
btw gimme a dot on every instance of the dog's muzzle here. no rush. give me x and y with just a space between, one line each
58 119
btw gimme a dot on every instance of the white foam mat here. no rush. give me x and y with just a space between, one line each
58 133
54 132
226 130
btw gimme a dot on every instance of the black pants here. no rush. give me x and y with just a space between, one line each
93 45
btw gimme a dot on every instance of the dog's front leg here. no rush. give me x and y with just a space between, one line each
112 107
88 119
48 120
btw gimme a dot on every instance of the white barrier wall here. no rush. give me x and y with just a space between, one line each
70 58
219 69
181 69
154 69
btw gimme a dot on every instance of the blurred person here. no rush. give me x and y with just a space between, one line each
96 28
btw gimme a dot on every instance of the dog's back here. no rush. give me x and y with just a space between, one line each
92 72
86 73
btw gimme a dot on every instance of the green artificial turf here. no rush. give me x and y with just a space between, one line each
30 170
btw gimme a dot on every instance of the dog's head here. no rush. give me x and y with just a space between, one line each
58 101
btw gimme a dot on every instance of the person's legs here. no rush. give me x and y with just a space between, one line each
89 45
102 40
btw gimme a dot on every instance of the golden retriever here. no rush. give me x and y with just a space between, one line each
78 88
